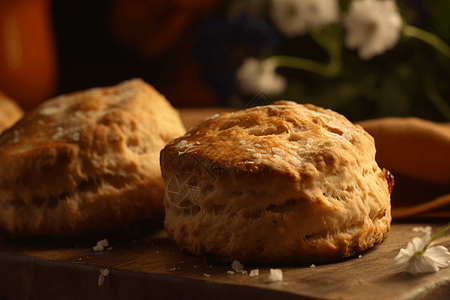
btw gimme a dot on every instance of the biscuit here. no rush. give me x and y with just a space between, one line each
86 162
10 112
278 183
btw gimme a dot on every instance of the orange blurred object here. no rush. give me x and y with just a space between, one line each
28 54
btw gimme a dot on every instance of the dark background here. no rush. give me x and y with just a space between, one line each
89 54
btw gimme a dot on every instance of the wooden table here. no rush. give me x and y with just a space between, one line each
153 267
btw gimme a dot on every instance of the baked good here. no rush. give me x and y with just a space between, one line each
86 162
278 183
10 112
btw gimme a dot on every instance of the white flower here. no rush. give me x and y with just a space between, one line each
295 17
373 26
430 260
255 76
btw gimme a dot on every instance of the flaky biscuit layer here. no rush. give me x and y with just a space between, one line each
86 162
282 182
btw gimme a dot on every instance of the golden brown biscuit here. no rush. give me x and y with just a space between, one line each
10 112
278 183
86 162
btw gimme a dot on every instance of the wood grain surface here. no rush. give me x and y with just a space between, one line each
154 268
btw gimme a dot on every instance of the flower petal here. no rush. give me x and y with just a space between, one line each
295 17
372 27
421 265
439 255
420 242
403 257
255 76
421 229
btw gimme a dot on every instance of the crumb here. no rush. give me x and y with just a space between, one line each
230 272
312 266
237 266
254 273
101 280
109 248
182 262
206 275
100 245
101 277
276 275
104 272
359 256
173 269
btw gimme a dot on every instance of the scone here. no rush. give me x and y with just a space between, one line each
278 183
86 162
10 112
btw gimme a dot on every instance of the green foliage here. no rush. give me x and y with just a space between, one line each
409 80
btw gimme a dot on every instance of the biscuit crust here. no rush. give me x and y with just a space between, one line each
278 183
86 162
10 112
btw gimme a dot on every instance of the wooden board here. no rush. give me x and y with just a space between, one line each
154 268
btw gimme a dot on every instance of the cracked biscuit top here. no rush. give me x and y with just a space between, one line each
282 182
86 162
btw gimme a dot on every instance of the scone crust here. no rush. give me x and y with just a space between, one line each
10 112
277 183
86 162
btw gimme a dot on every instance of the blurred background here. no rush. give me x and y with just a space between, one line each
195 51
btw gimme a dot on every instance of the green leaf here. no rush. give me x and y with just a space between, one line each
438 234
343 5
433 238
330 37
441 10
